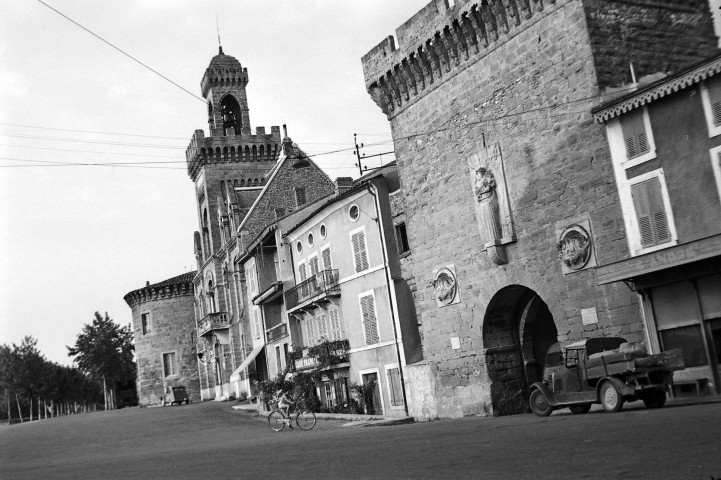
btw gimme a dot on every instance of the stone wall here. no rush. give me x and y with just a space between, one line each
172 328
525 83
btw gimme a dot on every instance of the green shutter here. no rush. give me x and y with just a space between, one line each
650 212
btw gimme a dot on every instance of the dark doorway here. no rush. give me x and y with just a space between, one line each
518 328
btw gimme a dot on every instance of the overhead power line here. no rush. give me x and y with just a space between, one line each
92 131
122 51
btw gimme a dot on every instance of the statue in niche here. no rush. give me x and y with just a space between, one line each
487 197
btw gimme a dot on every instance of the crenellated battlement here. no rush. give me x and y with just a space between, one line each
173 287
464 32
261 147
223 76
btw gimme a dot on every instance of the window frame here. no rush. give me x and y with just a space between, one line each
361 296
634 234
651 154
365 246
713 130
716 167
388 368
174 354
146 327
400 236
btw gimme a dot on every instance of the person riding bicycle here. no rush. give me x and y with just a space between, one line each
285 400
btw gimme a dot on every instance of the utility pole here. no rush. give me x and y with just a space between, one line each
362 169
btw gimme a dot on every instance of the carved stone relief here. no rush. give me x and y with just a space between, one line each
445 286
493 212
575 245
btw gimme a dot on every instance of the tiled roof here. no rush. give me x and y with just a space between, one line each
648 93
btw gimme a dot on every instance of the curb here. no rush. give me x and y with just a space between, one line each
353 420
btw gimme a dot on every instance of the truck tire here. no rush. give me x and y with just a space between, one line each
655 399
580 408
539 404
611 398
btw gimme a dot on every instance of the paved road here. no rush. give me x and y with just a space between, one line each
211 440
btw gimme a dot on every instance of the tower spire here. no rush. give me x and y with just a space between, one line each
217 27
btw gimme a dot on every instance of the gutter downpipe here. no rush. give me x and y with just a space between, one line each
391 294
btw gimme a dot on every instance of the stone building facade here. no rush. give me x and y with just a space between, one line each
508 183
164 334
243 181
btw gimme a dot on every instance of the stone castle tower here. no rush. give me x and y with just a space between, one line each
229 168
490 103
164 337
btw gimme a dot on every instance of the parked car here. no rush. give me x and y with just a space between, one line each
175 395
605 370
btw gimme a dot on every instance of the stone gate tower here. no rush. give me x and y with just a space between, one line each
507 182
229 169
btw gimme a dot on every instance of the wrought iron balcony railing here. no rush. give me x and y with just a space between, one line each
277 332
317 287
213 321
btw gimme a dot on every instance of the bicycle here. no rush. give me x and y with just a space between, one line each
305 419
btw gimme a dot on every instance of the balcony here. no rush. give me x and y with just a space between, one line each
212 322
276 333
318 288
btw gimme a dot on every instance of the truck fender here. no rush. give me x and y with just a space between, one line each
543 387
622 387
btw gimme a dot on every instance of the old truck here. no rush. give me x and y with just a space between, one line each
605 370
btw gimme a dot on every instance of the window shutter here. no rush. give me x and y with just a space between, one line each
313 263
370 324
335 325
311 333
359 251
650 211
394 380
301 272
326 259
714 93
634 134
322 327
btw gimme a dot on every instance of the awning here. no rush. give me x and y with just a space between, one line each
235 377
675 256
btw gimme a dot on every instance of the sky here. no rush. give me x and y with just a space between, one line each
74 239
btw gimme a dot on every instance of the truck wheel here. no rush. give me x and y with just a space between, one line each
539 404
655 399
611 398
580 409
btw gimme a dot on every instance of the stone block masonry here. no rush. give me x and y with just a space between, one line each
522 76
170 329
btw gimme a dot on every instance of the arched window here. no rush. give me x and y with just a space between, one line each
232 117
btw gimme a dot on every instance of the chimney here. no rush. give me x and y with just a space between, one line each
343 184
287 143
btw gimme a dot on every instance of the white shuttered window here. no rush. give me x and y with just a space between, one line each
370 322
360 255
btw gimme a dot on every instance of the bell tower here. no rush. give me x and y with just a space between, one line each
223 87
229 167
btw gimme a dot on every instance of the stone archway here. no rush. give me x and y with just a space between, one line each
518 328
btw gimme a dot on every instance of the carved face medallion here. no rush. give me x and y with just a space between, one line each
445 286
574 247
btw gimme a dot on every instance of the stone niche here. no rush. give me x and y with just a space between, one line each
493 211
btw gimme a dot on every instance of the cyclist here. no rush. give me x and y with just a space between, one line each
285 400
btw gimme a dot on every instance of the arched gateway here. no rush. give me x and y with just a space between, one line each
518 328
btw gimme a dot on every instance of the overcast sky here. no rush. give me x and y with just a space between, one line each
76 239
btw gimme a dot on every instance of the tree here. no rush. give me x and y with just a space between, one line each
104 350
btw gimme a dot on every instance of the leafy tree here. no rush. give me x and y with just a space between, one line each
104 350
